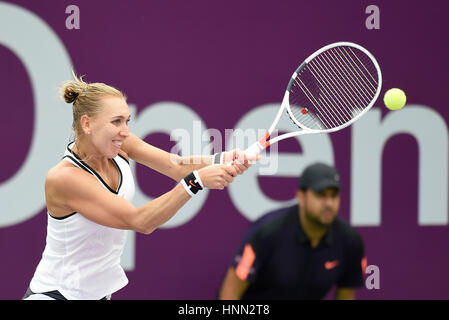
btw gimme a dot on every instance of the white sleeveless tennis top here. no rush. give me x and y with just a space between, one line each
81 258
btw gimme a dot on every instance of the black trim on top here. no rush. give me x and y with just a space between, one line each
120 173
61 218
76 161
123 158
82 163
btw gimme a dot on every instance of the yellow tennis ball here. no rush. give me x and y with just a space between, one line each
395 99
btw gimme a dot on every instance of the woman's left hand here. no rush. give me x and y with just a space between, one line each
239 160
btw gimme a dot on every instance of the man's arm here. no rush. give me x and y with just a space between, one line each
233 287
352 277
345 294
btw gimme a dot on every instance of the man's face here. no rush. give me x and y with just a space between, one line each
320 208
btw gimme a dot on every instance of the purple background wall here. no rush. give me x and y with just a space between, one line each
222 59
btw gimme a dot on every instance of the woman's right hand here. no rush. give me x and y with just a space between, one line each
217 176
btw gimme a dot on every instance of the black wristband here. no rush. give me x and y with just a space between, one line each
192 184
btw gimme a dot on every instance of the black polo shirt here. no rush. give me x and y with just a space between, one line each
275 256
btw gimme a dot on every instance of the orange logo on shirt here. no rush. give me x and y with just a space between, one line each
328 265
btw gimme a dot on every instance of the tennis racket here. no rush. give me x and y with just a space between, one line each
331 89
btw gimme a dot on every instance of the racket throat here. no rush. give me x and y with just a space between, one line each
264 143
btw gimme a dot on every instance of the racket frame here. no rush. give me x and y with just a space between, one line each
264 142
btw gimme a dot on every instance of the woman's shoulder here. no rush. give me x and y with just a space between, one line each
63 173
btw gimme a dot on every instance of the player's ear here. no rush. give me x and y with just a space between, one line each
85 123
300 194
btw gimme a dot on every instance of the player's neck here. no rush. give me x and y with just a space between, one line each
87 153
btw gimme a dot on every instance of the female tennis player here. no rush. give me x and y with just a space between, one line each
88 195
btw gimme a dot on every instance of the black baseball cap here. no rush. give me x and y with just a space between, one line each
319 176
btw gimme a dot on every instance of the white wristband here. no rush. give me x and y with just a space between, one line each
186 187
222 157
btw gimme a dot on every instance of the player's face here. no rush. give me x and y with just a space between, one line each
320 207
110 127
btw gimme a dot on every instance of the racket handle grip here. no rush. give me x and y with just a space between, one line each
253 150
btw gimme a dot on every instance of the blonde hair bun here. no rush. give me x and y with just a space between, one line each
72 89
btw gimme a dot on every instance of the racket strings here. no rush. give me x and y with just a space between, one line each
370 72
333 88
356 76
329 98
349 84
342 91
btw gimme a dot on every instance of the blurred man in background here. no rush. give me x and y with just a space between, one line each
299 252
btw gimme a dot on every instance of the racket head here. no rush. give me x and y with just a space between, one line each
333 87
